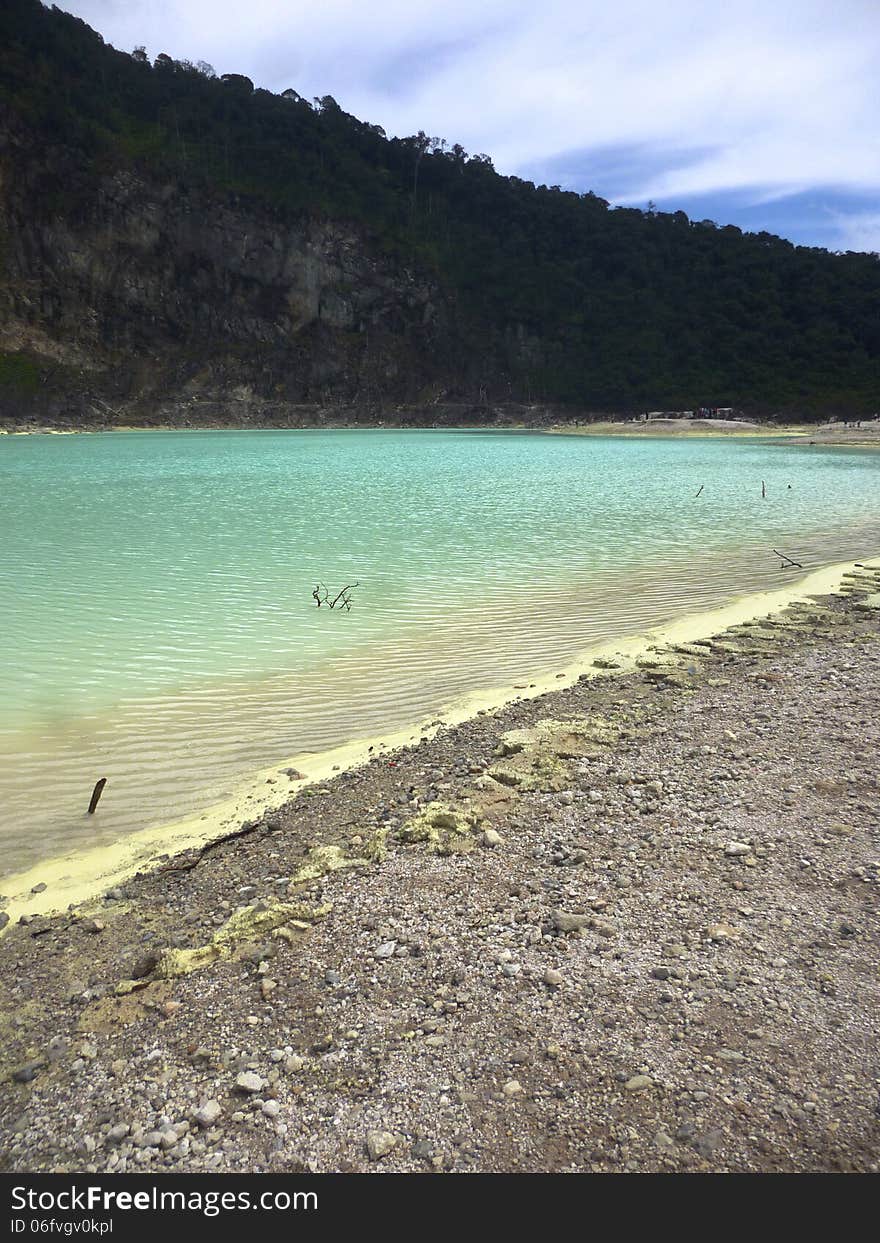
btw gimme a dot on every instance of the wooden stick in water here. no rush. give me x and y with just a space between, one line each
787 562
96 795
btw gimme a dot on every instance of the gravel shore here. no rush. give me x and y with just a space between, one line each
626 926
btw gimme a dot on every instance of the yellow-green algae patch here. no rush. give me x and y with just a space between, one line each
534 758
246 925
322 860
527 772
869 602
278 918
443 829
566 739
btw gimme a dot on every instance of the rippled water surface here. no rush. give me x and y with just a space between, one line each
155 589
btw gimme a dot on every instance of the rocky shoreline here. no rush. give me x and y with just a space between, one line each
630 925
446 416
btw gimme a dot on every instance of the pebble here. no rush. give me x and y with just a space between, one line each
208 1114
567 921
379 1144
247 1081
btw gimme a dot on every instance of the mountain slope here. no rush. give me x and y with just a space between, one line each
173 243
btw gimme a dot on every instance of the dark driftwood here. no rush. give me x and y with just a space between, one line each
322 596
702 485
787 562
187 863
96 795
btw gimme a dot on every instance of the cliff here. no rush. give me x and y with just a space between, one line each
178 248
131 300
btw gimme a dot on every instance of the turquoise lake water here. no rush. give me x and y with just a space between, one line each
156 613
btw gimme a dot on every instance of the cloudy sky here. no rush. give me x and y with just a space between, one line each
761 113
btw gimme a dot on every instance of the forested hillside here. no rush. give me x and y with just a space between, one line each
384 270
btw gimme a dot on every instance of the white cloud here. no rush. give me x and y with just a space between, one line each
769 96
857 230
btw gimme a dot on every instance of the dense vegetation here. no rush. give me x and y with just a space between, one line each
580 303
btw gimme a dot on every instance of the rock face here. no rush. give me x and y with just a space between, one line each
137 300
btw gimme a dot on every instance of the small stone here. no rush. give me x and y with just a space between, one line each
492 838
386 949
143 966
28 1072
567 921
379 1144
722 932
660 973
247 1081
553 978
208 1114
118 1133
708 1142
293 1064
93 925
271 1108
736 849
513 1087
56 1048
639 1083
41 888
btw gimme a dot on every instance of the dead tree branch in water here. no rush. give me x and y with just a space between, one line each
322 596
702 485
786 563
96 794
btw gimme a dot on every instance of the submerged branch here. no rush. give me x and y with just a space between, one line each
787 562
321 595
